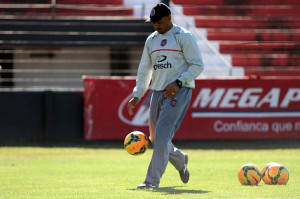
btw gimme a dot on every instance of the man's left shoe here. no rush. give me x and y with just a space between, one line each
184 172
147 185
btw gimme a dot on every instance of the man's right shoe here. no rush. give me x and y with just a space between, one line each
184 172
147 185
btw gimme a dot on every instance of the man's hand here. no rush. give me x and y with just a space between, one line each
131 104
171 90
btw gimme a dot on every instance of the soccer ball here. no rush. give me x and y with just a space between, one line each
136 143
276 174
263 171
249 174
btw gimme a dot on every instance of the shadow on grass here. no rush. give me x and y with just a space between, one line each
185 144
172 190
240 144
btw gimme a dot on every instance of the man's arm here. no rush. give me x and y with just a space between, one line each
143 79
144 73
193 57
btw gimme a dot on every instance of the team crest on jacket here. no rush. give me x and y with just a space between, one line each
163 42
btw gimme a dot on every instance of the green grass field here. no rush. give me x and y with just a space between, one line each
106 170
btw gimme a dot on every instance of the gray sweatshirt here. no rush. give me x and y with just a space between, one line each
167 57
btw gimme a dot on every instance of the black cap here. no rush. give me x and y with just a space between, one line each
158 12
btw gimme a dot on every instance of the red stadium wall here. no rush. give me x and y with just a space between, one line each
220 109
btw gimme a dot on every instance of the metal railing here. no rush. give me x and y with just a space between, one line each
51 10
65 70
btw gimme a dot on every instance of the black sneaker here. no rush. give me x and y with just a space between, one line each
184 172
147 185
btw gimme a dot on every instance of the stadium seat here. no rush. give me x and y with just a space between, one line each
53 47
263 36
66 7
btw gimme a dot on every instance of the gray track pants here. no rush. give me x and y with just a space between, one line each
166 115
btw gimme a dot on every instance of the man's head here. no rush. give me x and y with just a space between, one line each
160 17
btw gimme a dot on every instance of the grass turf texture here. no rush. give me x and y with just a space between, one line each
106 170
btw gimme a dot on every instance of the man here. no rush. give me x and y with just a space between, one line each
172 60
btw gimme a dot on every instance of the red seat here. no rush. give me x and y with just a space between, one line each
67 8
261 35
